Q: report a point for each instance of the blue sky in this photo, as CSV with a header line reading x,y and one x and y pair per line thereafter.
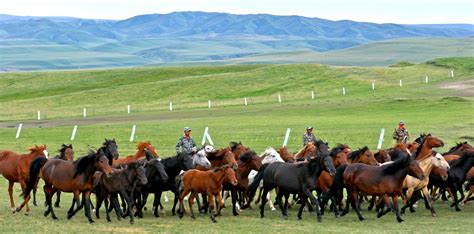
x,y
378,11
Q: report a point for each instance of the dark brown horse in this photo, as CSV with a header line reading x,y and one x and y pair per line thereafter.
x,y
222,157
339,158
458,148
385,181
75,177
141,146
305,151
65,153
382,156
208,182
16,167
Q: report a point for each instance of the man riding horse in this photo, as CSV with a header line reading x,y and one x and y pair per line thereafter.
x,y
186,144
401,133
308,136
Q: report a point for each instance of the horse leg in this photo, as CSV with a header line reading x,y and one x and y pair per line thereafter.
x,y
272,207
385,200
259,194
79,205
190,203
50,192
428,200
58,199
86,202
156,204
395,206
372,203
314,201
468,197
210,198
264,200
220,204
176,198
278,199
348,202
107,215
181,206
98,204
34,193
129,203
10,193
454,191
233,192
116,206
355,205
407,199
300,210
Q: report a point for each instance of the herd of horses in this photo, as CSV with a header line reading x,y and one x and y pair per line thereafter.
x,y
315,177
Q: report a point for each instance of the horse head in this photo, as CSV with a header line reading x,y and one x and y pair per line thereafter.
x,y
110,149
66,152
270,156
39,151
147,145
442,164
102,163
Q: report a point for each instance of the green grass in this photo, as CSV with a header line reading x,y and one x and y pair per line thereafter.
x,y
355,119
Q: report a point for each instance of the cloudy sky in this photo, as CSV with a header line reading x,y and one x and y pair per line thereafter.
x,y
379,11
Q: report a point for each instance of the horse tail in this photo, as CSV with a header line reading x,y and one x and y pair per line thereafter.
x,y
337,184
35,168
256,182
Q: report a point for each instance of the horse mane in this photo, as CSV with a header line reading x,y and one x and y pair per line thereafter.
x,y
63,150
357,153
233,145
247,156
37,149
82,164
464,157
391,168
143,144
337,149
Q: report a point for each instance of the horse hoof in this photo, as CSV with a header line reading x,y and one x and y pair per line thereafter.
x,y
361,219
131,221
320,219
235,214
55,218
400,220
56,206
91,222
273,209
458,209
434,214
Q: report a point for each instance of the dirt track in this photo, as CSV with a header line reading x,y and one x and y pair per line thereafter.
x,y
464,88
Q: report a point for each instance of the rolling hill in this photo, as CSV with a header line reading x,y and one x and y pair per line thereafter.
x,y
36,43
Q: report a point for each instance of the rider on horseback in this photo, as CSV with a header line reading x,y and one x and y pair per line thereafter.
x,y
186,144
401,133
308,136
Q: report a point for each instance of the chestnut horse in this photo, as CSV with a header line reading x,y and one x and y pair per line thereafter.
x,y
305,151
15,168
363,156
385,181
209,182
222,157
75,177
141,146
286,155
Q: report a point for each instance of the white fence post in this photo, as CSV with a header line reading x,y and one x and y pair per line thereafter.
x,y
452,73
343,91
401,84
39,115
382,133
426,79
312,95
204,136
18,131
287,135
245,101
73,135
84,112
128,109
132,135
279,98
373,86
171,106
209,104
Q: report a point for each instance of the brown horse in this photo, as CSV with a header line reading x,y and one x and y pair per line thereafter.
x,y
385,181
339,158
65,153
141,146
238,149
15,168
305,151
363,156
426,145
75,177
382,156
222,157
286,155
458,148
209,182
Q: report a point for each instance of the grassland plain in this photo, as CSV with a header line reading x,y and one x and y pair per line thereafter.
x,y
355,119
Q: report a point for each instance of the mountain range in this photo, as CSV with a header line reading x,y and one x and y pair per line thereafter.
x,y
187,37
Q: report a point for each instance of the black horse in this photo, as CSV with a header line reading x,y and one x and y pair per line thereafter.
x,y
173,166
299,178
457,176
123,182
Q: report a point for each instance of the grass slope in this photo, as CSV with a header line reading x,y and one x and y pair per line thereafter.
x,y
355,119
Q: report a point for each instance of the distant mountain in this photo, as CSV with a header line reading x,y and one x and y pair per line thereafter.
x,y
197,36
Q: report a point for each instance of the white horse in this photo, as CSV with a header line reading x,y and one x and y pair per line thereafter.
x,y
270,155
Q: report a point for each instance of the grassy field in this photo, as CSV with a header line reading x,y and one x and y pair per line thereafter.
x,y
356,119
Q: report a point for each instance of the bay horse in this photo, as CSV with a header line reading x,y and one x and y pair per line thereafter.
x,y
222,157
247,162
15,168
426,144
385,181
209,182
286,155
75,177
382,156
123,182
65,153
141,146
412,184
458,148
364,156
294,179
